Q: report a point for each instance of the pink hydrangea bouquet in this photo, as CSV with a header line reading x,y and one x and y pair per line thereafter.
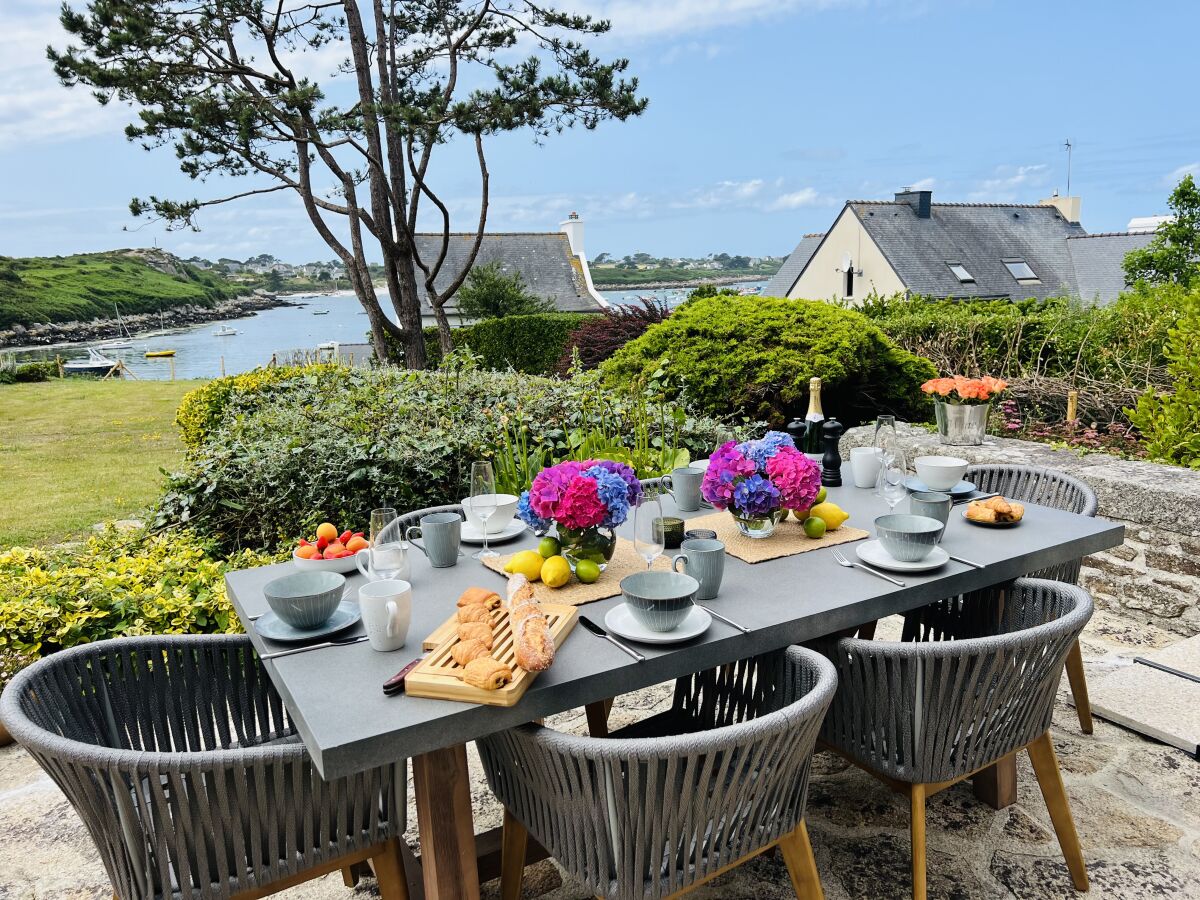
x,y
756,480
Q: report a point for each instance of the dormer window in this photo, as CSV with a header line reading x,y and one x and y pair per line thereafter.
x,y
959,271
1019,269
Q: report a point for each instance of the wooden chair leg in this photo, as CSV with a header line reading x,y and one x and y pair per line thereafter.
x,y
1045,766
801,864
1079,689
349,877
597,718
389,871
512,857
917,804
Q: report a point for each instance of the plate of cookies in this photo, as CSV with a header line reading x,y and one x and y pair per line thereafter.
x,y
994,512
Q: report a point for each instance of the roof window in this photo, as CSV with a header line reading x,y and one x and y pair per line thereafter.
x,y
1019,269
960,272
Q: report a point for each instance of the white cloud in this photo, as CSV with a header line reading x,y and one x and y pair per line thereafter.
x,y
925,184
632,19
1008,181
797,199
1179,174
720,195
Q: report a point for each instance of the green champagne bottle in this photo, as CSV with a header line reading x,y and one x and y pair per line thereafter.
x,y
813,420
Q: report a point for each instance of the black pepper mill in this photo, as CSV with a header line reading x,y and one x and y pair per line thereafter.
x,y
831,462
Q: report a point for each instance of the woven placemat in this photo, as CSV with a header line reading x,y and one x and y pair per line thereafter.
x,y
625,561
788,540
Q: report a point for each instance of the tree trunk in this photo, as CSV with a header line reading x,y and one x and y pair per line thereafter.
x,y
445,340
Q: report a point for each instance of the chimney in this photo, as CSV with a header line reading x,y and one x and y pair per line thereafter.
x,y
920,201
1068,206
573,229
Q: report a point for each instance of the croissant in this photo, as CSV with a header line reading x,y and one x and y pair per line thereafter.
x,y
476,613
474,596
533,646
487,673
466,651
476,631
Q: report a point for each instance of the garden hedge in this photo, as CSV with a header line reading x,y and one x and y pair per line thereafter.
x,y
530,344
1170,420
755,355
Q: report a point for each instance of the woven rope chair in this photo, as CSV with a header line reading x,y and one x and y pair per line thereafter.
x,y
643,814
925,715
956,616
179,757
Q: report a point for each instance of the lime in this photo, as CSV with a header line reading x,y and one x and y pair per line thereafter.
x,y
548,547
556,572
587,571
821,495
814,527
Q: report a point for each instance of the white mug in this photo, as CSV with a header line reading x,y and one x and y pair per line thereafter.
x,y
387,561
865,464
386,608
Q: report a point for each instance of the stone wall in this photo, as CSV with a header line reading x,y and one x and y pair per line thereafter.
x,y
1155,575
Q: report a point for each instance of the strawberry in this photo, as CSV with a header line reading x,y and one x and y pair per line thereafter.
x,y
345,536
356,534
304,543
322,543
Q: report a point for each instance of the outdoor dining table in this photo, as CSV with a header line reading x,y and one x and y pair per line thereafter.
x,y
334,695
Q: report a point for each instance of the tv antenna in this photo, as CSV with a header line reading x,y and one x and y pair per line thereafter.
x,y
1068,147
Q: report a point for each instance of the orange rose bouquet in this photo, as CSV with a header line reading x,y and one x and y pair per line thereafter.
x,y
965,391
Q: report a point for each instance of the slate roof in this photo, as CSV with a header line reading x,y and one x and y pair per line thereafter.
x,y
1097,260
978,236
544,260
783,280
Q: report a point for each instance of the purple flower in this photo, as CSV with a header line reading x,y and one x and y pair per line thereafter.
x,y
627,475
765,447
613,491
529,517
755,496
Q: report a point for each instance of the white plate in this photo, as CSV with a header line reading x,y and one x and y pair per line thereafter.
x,y
472,535
620,621
873,554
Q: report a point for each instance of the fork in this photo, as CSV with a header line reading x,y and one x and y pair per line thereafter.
x,y
842,561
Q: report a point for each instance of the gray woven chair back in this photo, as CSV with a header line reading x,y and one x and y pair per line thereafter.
x,y
1044,487
395,531
646,817
933,711
178,755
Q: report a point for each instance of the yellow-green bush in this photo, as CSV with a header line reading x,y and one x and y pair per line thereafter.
x,y
1170,421
203,409
114,584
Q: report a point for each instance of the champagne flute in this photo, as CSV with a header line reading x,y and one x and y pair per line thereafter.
x,y
648,538
483,501
386,553
892,473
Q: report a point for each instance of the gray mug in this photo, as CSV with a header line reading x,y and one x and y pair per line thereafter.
x,y
704,560
933,504
442,533
684,485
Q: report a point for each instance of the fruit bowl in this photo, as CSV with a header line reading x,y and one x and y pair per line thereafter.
x,y
342,566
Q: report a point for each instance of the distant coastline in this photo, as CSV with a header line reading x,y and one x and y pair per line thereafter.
x,y
688,283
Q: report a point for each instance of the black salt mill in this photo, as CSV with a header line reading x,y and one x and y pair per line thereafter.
x,y
831,462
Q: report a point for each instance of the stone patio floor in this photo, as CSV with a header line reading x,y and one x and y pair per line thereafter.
x,y
1136,805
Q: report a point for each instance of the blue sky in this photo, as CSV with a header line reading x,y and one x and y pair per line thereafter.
x,y
765,115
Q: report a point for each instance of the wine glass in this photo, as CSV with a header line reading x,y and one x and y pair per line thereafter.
x,y
892,472
483,501
386,553
648,538
885,439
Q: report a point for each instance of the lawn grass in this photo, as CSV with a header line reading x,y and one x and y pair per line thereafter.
x,y
77,452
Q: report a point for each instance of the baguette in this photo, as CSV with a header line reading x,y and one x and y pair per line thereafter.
x,y
533,645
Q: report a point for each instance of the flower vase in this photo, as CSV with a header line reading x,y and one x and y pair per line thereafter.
x,y
961,424
757,526
596,544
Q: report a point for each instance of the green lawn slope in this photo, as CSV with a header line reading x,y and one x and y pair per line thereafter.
x,y
85,286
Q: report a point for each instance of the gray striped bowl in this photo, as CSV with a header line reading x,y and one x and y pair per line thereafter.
x,y
659,600
305,599
908,538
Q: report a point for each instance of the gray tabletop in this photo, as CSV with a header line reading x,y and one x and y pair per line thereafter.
x,y
335,699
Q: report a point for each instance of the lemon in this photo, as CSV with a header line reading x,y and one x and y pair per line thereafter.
x,y
821,495
548,547
833,514
556,572
527,563
814,527
587,571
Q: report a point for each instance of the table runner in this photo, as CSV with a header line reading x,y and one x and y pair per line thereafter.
x,y
788,540
625,561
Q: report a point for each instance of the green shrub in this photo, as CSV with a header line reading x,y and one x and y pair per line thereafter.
x,y
202,410
283,459
532,344
42,370
490,293
755,355
114,584
1170,421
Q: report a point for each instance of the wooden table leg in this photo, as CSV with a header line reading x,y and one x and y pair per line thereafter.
x,y
997,784
443,794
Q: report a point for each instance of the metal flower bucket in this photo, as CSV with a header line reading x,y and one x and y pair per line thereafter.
x,y
961,424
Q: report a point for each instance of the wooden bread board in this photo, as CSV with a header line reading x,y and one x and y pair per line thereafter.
x,y
436,677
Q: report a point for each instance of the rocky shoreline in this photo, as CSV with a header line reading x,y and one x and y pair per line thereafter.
x,y
20,337
691,283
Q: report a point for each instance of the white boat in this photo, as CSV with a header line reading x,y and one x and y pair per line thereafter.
x,y
95,364
225,331
320,312
125,341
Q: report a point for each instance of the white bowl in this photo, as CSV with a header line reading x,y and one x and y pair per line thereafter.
x,y
940,473
342,566
506,508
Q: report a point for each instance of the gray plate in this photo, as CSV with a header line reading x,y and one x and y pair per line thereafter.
x,y
272,627
915,484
